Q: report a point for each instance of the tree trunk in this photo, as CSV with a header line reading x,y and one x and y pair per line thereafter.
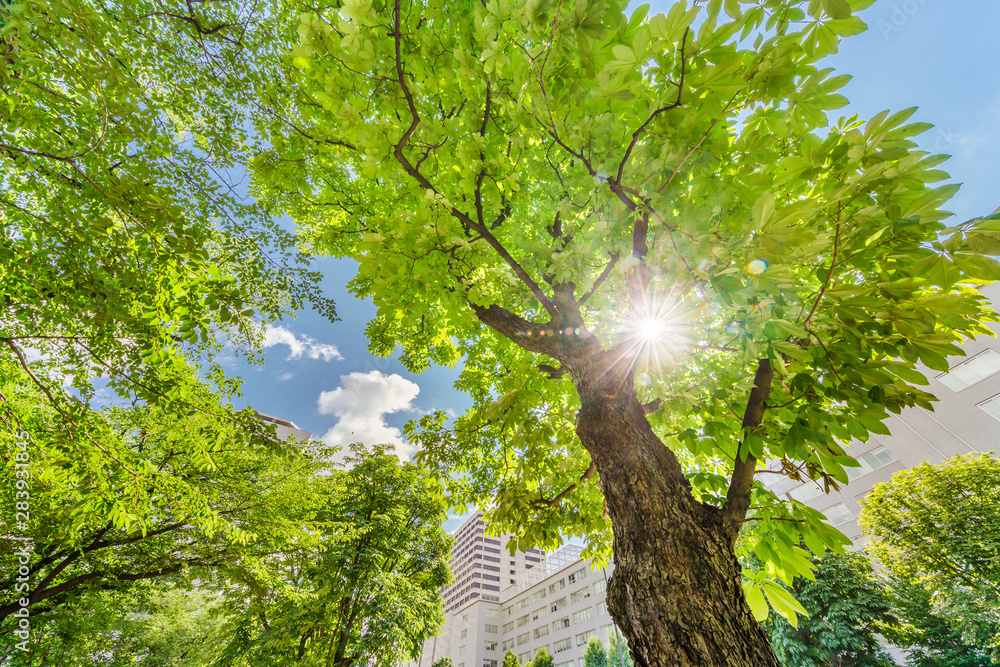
x,y
675,592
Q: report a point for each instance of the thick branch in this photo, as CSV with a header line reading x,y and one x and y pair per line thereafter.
x,y
738,495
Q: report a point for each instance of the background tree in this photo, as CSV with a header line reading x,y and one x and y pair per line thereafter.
x,y
510,660
847,606
364,589
443,662
937,526
928,638
242,498
543,659
126,255
595,655
618,653
150,624
658,258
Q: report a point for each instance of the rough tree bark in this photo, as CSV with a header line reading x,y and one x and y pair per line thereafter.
x,y
675,592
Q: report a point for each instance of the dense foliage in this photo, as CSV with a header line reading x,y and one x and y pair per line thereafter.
x,y
847,607
126,256
595,655
149,624
660,257
543,659
937,526
362,587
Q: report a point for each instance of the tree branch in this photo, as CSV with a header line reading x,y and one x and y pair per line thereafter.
x,y
738,495
541,503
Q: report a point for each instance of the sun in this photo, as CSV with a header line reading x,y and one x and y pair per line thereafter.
x,y
651,329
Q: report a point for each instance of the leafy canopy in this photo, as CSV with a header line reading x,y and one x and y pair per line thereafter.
x,y
847,606
127,258
365,586
532,181
937,526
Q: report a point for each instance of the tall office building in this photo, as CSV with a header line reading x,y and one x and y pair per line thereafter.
x,y
521,603
965,419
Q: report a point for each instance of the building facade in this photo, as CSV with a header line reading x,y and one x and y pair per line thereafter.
x,y
555,601
965,419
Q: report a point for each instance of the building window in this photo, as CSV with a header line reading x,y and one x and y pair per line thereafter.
x,y
541,632
491,612
970,372
806,492
562,645
521,604
539,613
465,631
507,645
487,662
540,595
522,621
558,604
507,627
600,586
461,651
992,406
873,460
602,608
561,624
581,594
465,618
584,637
568,663
524,658
578,575
507,611
838,514
491,629
490,645
583,615
557,586
523,639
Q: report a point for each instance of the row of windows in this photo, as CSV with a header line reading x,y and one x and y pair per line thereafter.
x,y
873,460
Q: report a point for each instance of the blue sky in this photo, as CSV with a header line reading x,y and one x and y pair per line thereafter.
x,y
940,56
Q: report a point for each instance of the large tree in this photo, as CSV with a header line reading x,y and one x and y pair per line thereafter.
x,y
660,262
937,526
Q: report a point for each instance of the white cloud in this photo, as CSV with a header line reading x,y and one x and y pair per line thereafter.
x,y
299,345
285,376
361,403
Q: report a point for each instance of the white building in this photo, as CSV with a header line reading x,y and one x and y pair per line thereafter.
x,y
965,419
285,428
518,603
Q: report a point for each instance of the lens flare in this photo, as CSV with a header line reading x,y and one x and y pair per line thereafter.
x,y
757,267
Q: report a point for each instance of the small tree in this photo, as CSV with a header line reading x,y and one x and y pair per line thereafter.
x,y
543,659
595,655
443,662
510,660
618,655
846,606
